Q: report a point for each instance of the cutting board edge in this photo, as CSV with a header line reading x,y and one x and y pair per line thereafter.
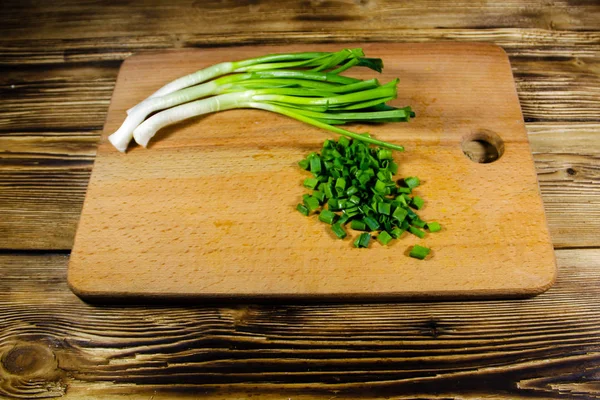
x,y
91,295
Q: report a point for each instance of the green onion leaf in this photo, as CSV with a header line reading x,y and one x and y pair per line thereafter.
x,y
419,252
362,240
384,238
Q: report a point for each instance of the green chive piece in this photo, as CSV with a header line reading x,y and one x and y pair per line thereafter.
x,y
340,186
354,199
303,209
418,222
399,213
339,230
351,190
412,182
384,208
406,190
417,202
371,223
304,164
384,238
315,165
311,183
396,232
358,225
333,205
416,231
327,216
344,141
434,226
319,195
419,252
312,203
362,240
343,219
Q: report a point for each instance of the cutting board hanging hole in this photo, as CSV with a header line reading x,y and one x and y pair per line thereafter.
x,y
483,146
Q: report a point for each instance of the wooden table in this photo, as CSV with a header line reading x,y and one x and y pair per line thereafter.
x,y
60,61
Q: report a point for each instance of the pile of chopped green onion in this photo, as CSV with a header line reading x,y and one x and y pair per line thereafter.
x,y
304,86
353,185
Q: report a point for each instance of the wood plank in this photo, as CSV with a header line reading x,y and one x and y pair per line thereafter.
x,y
74,97
43,179
51,343
566,158
83,20
518,42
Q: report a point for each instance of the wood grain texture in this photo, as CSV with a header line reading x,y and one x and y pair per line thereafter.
x,y
518,42
81,19
43,179
53,344
67,98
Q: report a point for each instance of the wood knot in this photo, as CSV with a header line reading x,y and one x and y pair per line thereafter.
x,y
30,360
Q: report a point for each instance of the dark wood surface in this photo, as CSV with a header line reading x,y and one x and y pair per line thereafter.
x,y
59,62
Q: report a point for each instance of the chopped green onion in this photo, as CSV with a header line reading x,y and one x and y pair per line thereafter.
x,y
339,230
419,252
418,222
399,213
362,240
417,232
384,208
304,164
311,183
355,183
312,203
319,195
412,182
358,225
303,209
434,226
384,238
327,216
371,223
315,165
340,186
396,232
417,202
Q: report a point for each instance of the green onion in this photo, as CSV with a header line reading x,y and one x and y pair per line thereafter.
x,y
339,230
371,223
362,240
384,238
416,231
304,86
312,203
355,184
327,216
358,225
417,202
396,232
434,226
340,186
412,182
311,183
419,252
303,209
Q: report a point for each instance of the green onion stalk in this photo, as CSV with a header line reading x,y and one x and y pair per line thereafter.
x,y
304,86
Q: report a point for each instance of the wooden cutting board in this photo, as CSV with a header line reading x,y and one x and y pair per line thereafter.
x,y
208,210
